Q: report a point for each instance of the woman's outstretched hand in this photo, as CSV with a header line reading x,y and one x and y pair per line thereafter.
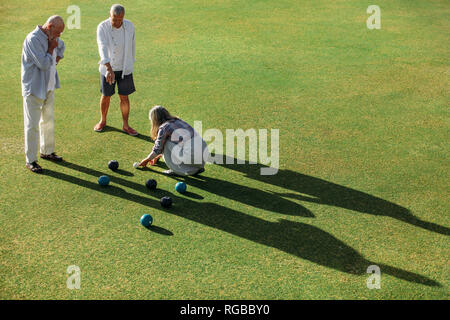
x,y
144,162
152,162
155,160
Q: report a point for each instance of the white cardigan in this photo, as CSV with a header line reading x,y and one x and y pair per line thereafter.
x,y
104,41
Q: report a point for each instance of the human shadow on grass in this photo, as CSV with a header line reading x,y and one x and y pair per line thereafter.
x,y
192,195
113,179
315,190
254,197
129,184
299,239
112,191
139,136
124,172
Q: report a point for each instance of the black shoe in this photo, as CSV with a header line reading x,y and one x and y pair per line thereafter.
x,y
51,157
34,167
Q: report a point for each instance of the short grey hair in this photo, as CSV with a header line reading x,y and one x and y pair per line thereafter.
x,y
55,20
117,10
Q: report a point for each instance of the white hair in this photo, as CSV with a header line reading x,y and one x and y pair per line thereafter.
x,y
117,10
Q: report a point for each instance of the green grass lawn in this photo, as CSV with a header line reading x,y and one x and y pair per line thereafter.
x,y
363,179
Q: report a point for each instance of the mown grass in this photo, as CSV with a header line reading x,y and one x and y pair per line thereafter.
x,y
363,120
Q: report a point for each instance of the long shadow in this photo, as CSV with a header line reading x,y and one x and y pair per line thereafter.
x,y
299,239
109,190
139,136
124,172
250,196
113,191
129,184
315,190
126,183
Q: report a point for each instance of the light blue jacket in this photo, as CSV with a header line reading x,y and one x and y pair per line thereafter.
x,y
36,63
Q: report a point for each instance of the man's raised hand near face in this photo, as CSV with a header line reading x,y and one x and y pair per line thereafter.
x,y
52,44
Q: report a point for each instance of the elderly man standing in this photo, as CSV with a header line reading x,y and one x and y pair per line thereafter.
x,y
116,45
42,50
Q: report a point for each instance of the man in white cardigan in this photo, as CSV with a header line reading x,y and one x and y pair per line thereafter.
x,y
116,45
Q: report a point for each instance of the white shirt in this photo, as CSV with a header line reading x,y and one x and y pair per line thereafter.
x,y
118,47
52,76
106,46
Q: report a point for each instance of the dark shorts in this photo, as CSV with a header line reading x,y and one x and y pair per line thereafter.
x,y
125,85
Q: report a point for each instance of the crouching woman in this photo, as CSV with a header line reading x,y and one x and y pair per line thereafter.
x,y
184,150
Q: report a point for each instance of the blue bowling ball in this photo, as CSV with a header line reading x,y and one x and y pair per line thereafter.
x,y
103,180
146,220
180,187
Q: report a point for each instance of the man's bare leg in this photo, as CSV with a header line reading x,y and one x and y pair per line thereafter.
x,y
125,108
104,106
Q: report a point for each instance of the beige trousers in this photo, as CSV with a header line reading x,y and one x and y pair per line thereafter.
x,y
186,161
39,121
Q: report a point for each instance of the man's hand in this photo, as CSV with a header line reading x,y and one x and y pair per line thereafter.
x,y
110,77
57,59
52,44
